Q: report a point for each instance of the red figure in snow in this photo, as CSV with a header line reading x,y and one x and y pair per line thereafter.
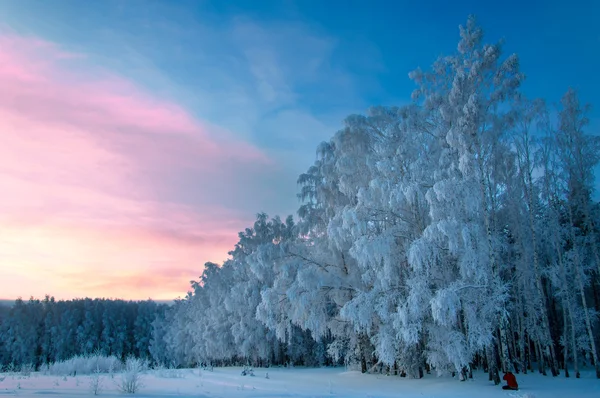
x,y
511,382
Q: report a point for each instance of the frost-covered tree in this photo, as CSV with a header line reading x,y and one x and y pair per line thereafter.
x,y
327,276
459,252
578,154
525,204
440,235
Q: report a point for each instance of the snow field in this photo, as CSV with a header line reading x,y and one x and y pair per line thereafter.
x,y
298,382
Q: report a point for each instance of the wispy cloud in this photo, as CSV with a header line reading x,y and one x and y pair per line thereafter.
x,y
241,73
276,84
283,58
91,172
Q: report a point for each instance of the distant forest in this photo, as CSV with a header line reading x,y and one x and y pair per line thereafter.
x,y
37,332
456,232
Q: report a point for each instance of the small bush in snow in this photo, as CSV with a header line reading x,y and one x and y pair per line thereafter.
x,y
169,373
96,383
45,368
86,365
10,368
248,371
131,380
26,370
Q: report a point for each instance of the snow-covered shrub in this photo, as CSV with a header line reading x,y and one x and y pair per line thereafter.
x,y
96,382
168,373
86,365
26,369
131,380
45,368
248,371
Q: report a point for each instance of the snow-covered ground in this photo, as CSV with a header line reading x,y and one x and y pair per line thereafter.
x,y
228,382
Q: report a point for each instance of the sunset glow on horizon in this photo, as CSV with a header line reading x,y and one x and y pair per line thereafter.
x,y
85,165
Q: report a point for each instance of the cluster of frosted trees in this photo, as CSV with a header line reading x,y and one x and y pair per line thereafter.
x,y
38,332
455,232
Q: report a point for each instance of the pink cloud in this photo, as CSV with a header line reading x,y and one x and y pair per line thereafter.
x,y
87,168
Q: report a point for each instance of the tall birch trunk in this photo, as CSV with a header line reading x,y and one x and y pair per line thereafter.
x,y
527,180
588,322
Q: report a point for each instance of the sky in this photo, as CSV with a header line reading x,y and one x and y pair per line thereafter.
x,y
138,137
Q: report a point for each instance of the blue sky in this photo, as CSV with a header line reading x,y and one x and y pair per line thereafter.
x,y
261,82
284,73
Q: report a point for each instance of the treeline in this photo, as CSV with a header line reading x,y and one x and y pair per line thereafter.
x,y
455,232
38,332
